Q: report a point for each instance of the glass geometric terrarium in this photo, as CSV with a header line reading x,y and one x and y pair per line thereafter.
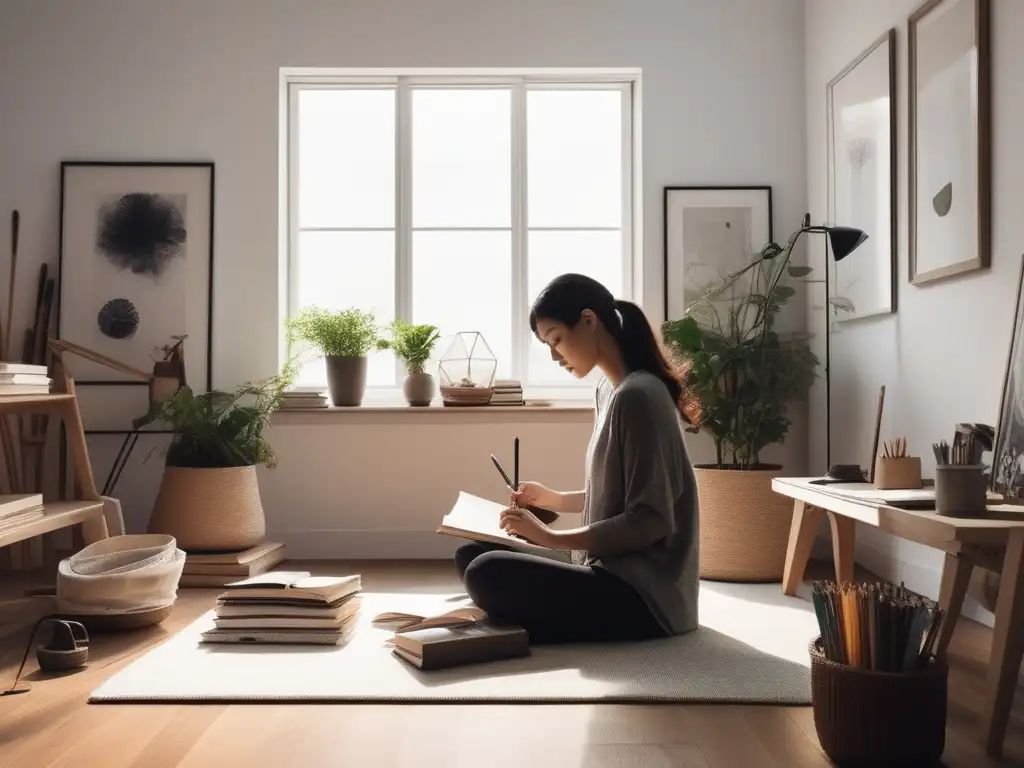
x,y
466,370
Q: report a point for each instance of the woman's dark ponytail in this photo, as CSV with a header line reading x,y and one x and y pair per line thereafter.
x,y
567,296
642,352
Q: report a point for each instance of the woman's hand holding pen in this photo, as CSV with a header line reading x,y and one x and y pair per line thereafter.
x,y
522,522
531,494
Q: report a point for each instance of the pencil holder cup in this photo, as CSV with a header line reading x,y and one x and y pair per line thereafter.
x,y
868,718
960,490
893,473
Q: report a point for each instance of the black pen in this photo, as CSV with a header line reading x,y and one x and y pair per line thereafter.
x,y
516,466
504,474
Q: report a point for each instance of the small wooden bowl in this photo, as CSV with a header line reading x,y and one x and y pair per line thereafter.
x,y
466,396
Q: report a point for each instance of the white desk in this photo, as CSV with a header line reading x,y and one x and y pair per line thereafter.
x,y
994,542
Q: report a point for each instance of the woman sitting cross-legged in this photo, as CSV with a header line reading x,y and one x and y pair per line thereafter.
x,y
633,570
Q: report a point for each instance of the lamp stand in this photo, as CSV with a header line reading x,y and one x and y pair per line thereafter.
x,y
828,368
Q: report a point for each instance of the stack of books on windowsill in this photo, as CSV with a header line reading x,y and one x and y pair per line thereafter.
x,y
217,569
300,400
23,379
507,392
287,607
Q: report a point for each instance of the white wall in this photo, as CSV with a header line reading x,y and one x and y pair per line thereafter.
x,y
120,79
942,356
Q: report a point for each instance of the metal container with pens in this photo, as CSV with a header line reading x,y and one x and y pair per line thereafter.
x,y
961,485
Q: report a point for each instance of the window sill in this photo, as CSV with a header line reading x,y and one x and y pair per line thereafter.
x,y
401,413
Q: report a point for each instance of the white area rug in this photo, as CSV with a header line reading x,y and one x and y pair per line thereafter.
x,y
752,647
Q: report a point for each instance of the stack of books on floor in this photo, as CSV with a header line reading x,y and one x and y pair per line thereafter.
x,y
218,569
300,400
287,607
24,379
16,509
507,392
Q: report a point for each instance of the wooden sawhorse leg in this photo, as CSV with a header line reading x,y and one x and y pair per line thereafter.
x,y
1007,646
844,540
956,577
801,540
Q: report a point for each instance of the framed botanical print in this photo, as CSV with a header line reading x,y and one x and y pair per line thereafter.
x,y
861,138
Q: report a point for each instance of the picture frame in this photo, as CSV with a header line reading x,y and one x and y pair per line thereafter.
x,y
861,168
1007,475
701,222
135,272
949,133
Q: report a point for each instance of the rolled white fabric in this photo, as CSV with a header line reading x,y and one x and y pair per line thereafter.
x,y
121,574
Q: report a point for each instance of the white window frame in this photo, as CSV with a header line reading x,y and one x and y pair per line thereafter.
x,y
628,81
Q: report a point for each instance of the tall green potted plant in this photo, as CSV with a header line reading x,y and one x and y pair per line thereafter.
x,y
209,497
413,345
345,338
746,374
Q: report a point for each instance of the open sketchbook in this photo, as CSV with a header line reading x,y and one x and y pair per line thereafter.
x,y
479,520
411,622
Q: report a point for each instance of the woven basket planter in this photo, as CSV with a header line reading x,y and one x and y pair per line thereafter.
x,y
866,718
210,510
744,524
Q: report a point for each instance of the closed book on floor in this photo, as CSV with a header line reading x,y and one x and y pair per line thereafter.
x,y
265,616
279,636
229,571
232,558
442,647
336,610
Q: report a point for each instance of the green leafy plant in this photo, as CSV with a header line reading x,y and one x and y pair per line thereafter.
x,y
345,333
218,428
412,344
743,369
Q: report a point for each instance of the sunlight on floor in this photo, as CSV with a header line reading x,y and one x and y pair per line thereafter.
x,y
761,616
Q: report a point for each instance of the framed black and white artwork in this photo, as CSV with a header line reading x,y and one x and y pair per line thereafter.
x,y
1008,447
949,131
136,267
861,141
710,232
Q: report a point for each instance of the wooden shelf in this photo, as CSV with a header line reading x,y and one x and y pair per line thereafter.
x,y
34,402
85,511
56,515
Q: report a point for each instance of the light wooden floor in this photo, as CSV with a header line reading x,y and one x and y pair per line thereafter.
x,y
53,726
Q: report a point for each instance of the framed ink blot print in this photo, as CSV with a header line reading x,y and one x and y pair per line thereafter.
x,y
949,80
136,266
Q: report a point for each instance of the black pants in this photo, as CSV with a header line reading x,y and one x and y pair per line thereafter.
x,y
555,602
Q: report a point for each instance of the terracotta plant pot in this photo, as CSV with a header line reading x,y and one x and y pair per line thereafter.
x,y
744,524
419,388
209,510
346,380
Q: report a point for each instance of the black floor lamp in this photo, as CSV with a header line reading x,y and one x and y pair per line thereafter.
x,y
844,240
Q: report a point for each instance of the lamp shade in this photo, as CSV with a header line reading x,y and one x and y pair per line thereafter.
x,y
844,240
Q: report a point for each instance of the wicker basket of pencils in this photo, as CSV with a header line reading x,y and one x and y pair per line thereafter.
x,y
878,693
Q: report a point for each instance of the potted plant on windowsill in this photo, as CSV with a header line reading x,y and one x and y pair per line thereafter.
x,y
345,338
746,373
413,345
209,497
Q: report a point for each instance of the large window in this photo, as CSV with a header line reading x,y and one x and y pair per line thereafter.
x,y
452,201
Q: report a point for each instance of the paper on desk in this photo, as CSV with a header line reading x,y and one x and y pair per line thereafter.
x,y
868,492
